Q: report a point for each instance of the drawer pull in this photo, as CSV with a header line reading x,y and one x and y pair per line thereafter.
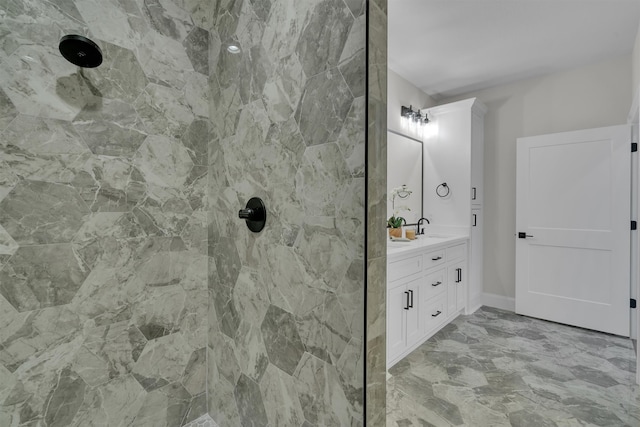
x,y
436,258
438,313
436,284
407,307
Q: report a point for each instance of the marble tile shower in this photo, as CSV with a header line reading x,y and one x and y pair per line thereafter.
x,y
103,243
286,314
130,292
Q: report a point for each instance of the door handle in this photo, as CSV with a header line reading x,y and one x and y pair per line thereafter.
x,y
411,294
522,235
475,219
436,284
406,307
474,193
459,275
438,313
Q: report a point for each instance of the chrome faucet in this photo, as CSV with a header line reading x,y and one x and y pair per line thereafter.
x,y
418,225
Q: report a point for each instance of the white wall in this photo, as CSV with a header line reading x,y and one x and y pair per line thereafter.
x,y
400,92
587,97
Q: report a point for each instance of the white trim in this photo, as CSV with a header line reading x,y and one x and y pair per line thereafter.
x,y
499,301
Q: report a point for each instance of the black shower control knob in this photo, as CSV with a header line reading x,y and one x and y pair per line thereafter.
x,y
247,213
255,213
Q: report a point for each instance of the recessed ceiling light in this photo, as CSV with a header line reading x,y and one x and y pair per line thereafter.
x,y
233,48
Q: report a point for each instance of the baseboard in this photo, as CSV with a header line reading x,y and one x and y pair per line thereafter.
x,y
499,301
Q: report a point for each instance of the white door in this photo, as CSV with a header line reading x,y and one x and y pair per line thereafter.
x,y
573,206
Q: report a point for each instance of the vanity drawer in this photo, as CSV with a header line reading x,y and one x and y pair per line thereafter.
x,y
434,284
455,252
435,313
433,259
403,268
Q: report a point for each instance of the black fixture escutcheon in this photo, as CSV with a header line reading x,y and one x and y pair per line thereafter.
x,y
255,214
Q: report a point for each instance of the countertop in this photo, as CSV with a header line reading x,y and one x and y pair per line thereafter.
x,y
397,250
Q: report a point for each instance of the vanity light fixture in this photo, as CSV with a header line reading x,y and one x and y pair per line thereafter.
x,y
410,115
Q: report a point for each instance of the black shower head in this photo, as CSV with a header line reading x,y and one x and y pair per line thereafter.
x,y
80,51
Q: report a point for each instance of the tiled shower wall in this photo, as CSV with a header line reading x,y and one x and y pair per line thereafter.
x,y
286,314
376,215
103,244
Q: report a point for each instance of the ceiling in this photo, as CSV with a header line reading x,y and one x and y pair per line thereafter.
x,y
451,47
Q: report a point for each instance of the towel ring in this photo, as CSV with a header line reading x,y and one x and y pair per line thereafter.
x,y
444,192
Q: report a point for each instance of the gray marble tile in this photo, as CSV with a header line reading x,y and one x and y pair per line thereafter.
x,y
164,111
110,184
280,398
108,352
322,180
351,136
162,361
38,136
353,59
120,398
8,111
195,374
250,403
320,244
323,107
112,128
324,35
125,26
520,386
42,276
164,60
40,82
119,76
197,48
167,407
322,404
222,403
282,340
167,18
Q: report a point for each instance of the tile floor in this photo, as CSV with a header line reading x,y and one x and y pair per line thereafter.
x,y
496,368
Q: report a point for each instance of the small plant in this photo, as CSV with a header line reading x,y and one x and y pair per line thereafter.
x,y
402,192
396,221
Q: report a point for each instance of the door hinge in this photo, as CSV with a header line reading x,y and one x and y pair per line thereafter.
x,y
634,147
634,225
633,303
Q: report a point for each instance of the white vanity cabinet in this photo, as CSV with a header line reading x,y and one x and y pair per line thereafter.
x,y
426,289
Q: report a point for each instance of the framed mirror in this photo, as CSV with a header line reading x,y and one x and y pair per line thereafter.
x,y
404,166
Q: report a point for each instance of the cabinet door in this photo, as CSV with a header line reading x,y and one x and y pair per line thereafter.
x,y
396,321
414,329
452,288
461,285
477,159
474,278
456,289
